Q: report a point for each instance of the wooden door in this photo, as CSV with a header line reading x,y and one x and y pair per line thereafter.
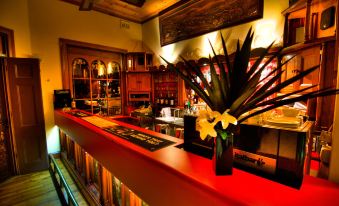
x,y
133,82
27,116
145,82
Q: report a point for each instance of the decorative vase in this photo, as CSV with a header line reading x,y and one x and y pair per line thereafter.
x,y
223,155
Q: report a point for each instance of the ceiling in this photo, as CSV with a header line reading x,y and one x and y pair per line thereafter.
x,y
138,11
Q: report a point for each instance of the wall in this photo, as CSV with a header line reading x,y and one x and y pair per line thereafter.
x,y
14,15
268,29
38,25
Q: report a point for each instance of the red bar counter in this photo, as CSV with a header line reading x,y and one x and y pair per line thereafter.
x,y
172,176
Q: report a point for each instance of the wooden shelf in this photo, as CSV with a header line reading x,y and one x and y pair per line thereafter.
x,y
137,71
306,45
81,78
295,7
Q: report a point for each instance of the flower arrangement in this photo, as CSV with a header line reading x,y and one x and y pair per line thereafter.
x,y
237,89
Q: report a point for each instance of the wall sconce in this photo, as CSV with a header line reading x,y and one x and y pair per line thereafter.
x,y
129,62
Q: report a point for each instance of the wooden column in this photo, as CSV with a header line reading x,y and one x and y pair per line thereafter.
x,y
285,35
325,108
307,20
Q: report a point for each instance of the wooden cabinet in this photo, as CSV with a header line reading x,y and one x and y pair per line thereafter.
x,y
302,61
166,86
138,79
319,109
93,74
309,20
139,61
309,33
139,82
97,87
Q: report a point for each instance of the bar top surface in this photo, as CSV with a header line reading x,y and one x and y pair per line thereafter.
x,y
172,176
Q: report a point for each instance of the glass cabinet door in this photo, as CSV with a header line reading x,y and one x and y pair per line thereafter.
x,y
113,105
81,83
96,88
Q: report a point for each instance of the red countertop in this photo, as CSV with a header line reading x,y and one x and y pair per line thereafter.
x,y
172,176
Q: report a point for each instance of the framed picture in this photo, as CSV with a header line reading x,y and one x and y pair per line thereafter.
x,y
197,17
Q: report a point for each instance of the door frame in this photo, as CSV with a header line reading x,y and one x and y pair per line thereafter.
x,y
9,41
9,33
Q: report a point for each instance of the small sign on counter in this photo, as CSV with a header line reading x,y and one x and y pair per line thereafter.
x,y
146,141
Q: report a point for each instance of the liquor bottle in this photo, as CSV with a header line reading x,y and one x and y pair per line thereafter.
x,y
166,100
157,100
172,100
187,107
73,104
161,100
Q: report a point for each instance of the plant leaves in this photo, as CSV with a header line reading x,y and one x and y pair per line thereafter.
x,y
271,101
193,85
224,80
228,64
251,104
216,86
197,70
292,100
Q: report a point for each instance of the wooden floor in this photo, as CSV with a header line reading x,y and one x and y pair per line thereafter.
x,y
36,189
31,189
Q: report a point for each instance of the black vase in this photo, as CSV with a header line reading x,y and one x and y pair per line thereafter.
x,y
223,155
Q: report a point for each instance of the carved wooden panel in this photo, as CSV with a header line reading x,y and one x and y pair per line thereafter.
x,y
199,17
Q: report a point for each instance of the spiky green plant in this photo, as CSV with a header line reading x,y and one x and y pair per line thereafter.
x,y
240,89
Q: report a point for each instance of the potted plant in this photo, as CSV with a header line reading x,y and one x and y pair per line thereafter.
x,y
238,90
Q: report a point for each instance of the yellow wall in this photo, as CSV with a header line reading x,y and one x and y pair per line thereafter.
x,y
268,29
38,25
14,15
